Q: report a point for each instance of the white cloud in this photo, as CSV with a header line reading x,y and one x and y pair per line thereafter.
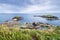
x,y
39,8
43,7
6,8
40,1
34,8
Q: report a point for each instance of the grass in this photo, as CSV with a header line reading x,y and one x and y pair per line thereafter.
x,y
16,33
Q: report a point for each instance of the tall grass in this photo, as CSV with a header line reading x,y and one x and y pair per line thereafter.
x,y
16,33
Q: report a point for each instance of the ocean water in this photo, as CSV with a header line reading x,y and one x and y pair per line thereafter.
x,y
30,18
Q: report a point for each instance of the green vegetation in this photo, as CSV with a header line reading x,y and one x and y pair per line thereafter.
x,y
16,33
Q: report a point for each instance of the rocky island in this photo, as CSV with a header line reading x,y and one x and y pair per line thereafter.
x,y
48,17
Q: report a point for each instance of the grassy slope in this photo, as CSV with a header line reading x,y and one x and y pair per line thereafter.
x,y
28,34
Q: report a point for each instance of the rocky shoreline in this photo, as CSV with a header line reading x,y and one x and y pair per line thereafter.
x,y
25,25
36,25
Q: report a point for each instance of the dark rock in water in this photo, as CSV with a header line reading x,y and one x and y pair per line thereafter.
x,y
17,18
34,24
48,17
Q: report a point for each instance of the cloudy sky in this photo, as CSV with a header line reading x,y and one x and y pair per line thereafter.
x,y
29,6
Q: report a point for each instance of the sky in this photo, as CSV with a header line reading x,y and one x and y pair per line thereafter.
x,y
29,6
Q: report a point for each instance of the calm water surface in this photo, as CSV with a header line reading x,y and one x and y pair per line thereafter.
x,y
30,18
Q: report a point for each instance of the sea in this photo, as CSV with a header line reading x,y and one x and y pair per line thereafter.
x,y
27,17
